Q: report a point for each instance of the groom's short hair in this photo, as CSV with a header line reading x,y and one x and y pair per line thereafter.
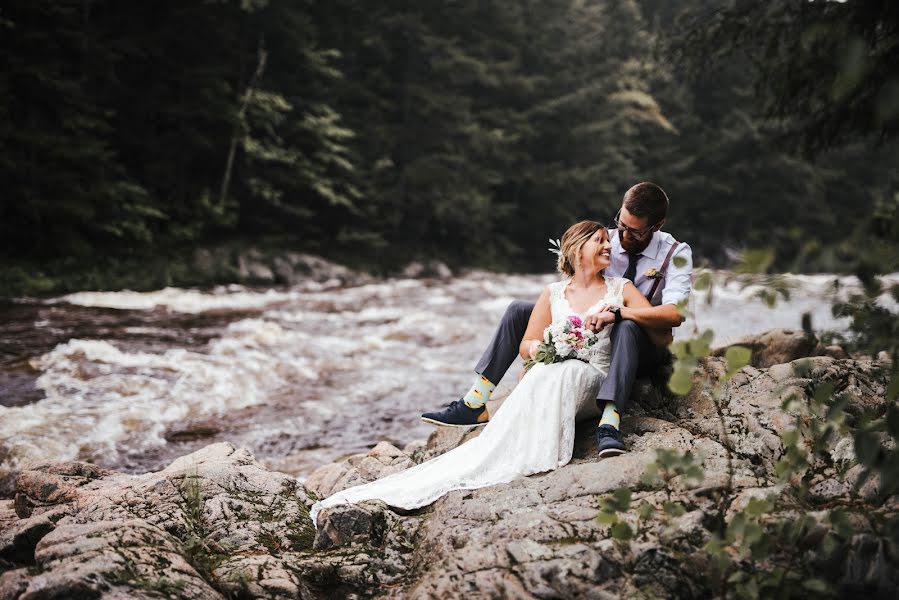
x,y
647,200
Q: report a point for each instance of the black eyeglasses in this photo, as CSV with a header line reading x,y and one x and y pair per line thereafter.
x,y
637,233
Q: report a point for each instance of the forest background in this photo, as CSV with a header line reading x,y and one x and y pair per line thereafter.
x,y
377,133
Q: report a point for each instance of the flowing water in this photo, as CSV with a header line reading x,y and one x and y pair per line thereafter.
x,y
299,375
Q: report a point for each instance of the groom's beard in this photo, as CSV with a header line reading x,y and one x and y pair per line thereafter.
x,y
633,246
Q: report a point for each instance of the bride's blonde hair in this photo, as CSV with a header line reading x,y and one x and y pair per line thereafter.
x,y
572,242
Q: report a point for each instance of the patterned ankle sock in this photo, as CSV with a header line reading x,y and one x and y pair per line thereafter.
x,y
479,393
610,415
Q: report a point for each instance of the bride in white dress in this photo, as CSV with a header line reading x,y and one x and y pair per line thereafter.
x,y
533,431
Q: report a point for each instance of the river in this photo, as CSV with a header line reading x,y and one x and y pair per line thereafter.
x,y
300,375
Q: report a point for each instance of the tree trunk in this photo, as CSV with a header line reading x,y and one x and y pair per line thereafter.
x,y
261,56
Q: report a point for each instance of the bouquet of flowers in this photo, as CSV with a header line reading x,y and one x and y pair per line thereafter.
x,y
563,341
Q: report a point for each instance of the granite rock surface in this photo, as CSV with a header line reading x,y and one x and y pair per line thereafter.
x,y
216,524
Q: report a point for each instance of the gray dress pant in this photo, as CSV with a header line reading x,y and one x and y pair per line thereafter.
x,y
632,353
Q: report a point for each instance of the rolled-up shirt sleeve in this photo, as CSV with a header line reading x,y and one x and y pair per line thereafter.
x,y
678,279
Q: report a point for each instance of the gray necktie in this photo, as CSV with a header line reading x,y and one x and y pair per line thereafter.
x,y
631,272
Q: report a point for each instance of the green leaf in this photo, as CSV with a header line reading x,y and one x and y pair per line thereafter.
x,y
736,527
824,392
674,509
752,533
666,458
816,585
839,520
715,546
621,499
763,547
679,261
830,545
777,575
607,518
790,437
737,577
893,388
757,507
703,345
703,282
694,473
750,589
645,510
737,357
836,411
755,260
893,421
680,350
867,448
802,368
792,402
650,475
854,67
681,381
621,531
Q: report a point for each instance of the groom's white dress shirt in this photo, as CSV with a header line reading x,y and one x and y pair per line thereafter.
x,y
675,286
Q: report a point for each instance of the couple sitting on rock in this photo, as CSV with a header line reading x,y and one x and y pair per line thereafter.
x,y
625,286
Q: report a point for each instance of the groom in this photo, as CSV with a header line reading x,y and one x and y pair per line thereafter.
x,y
658,265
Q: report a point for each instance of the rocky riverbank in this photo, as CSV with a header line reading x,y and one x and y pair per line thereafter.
x,y
216,524
232,263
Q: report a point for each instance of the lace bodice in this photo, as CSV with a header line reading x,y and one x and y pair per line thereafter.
x,y
561,309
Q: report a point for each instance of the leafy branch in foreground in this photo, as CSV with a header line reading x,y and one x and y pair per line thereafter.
x,y
791,541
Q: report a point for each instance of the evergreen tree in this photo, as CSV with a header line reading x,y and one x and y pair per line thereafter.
x,y
65,189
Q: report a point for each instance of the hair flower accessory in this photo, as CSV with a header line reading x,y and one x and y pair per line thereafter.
x,y
654,273
558,247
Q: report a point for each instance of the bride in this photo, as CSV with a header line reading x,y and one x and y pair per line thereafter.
x,y
534,429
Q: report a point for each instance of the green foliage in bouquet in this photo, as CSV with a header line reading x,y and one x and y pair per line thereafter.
x,y
546,353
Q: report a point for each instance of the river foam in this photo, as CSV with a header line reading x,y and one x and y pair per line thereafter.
x,y
232,297
310,373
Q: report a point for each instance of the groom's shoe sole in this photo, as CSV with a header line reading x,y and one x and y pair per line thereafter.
x,y
608,441
610,452
442,424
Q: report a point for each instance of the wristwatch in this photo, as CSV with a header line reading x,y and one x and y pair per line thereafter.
x,y
617,312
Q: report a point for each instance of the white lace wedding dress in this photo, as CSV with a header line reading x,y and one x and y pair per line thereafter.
x,y
533,431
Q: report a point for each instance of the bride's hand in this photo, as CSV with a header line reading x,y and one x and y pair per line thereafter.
x,y
599,320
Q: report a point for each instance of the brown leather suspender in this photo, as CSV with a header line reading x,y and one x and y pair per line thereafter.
x,y
662,272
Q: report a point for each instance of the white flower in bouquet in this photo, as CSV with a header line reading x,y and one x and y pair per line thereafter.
x,y
563,348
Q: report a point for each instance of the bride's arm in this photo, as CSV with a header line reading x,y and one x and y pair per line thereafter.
x,y
540,319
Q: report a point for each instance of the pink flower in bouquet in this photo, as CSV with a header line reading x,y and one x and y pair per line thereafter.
x,y
575,321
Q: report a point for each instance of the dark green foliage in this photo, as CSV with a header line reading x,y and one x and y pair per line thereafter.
x,y
465,131
754,100
827,70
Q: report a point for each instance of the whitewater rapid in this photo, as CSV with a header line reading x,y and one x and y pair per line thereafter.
x,y
299,375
